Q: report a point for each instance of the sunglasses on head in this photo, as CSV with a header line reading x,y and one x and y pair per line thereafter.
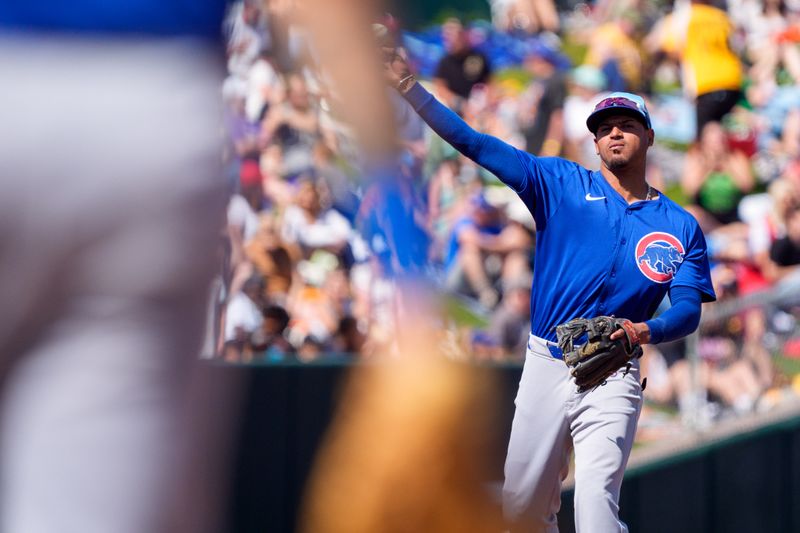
x,y
617,101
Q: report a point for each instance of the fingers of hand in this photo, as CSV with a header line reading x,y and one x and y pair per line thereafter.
x,y
396,59
389,74
388,54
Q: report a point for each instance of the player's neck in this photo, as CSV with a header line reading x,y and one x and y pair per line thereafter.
x,y
628,182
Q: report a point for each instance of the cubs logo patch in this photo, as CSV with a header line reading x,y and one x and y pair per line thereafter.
x,y
658,256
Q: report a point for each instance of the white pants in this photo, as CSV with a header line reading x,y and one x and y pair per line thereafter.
x,y
109,215
551,419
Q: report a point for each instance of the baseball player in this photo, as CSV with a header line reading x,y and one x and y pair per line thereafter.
x,y
607,244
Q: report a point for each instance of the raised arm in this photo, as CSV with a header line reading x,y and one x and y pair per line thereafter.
x,y
500,158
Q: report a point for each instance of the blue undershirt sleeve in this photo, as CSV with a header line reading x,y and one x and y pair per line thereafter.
x,y
498,157
679,320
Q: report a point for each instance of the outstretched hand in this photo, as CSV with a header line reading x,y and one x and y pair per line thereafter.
x,y
395,66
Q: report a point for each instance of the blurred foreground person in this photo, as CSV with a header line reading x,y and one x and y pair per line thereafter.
x,y
110,209
405,452
408,450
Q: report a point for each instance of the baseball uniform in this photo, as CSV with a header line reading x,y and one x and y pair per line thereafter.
x,y
596,255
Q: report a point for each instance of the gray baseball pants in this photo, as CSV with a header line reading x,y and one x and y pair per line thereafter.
x,y
551,420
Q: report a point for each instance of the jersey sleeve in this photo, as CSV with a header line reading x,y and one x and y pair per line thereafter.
x,y
538,181
680,319
694,272
498,157
544,188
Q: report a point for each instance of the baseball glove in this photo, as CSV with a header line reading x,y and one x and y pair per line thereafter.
x,y
591,354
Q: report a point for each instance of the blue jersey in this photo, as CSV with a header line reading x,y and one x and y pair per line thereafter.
x,y
201,18
598,255
595,253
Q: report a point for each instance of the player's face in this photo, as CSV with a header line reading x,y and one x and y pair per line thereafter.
x,y
621,140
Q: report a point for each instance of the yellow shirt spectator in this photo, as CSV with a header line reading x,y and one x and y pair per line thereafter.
x,y
700,36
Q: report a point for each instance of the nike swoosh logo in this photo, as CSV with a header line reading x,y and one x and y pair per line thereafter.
x,y
591,198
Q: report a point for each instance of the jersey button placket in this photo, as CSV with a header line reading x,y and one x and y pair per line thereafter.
x,y
618,260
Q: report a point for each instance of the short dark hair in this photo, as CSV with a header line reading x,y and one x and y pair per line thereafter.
x,y
278,314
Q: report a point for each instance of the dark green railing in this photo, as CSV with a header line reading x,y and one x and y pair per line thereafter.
x,y
745,482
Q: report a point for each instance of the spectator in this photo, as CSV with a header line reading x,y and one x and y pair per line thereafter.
x,y
271,259
730,370
668,374
482,250
243,211
310,226
586,84
545,134
777,120
785,251
314,310
374,304
765,25
462,66
349,339
262,86
311,349
699,35
716,178
338,186
528,16
294,126
243,315
279,192
768,224
268,341
243,133
510,325
446,195
244,39
614,51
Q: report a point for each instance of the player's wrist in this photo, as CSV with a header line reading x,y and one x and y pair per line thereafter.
x,y
643,329
406,83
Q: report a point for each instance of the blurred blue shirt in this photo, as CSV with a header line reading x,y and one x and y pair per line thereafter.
x,y
200,18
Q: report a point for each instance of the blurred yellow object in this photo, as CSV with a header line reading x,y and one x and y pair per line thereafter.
x,y
771,398
408,449
700,34
511,86
796,384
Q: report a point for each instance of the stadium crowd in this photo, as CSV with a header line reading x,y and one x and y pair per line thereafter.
x,y
306,263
